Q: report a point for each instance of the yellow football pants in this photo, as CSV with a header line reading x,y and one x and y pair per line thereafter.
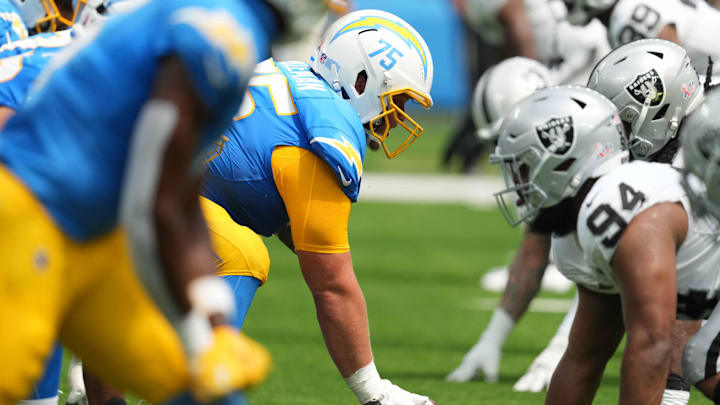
x,y
240,251
85,294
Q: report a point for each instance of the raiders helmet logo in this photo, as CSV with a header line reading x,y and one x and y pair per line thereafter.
x,y
557,134
647,85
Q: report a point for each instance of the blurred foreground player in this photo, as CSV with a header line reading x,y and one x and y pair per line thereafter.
x,y
89,185
292,166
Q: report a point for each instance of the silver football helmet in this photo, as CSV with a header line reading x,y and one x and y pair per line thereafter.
x,y
701,153
500,87
654,86
552,142
580,12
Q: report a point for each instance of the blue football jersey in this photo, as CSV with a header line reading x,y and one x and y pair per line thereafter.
x,y
69,142
287,105
12,26
22,61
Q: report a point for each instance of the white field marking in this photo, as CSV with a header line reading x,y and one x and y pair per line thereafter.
x,y
475,191
546,305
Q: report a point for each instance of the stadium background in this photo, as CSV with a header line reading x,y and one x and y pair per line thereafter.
x,y
422,237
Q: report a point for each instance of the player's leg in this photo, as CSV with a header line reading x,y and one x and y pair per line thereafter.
x,y
31,280
243,260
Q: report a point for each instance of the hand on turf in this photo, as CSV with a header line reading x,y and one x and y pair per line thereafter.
x,y
233,362
538,376
483,357
391,394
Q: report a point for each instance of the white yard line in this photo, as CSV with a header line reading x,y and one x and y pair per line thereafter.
x,y
473,190
547,305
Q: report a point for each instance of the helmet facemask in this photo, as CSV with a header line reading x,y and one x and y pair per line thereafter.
x,y
522,200
380,125
50,15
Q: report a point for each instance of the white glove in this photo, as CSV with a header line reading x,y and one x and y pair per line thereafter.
x,y
391,394
541,370
75,381
369,389
485,355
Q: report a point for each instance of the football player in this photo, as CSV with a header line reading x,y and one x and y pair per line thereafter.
x,y
690,23
292,166
89,185
531,28
648,258
680,91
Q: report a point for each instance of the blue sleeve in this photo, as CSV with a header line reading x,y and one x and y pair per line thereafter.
x,y
218,46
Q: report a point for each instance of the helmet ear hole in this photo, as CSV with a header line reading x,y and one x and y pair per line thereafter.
x,y
361,82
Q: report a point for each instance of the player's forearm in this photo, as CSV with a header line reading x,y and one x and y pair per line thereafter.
x,y
525,274
184,247
518,32
343,320
645,367
340,308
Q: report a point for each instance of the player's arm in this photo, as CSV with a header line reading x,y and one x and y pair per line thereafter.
x,y
518,30
644,265
525,274
594,336
319,212
669,33
167,231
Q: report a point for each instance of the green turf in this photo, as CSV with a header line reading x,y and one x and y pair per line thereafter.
x,y
424,156
418,266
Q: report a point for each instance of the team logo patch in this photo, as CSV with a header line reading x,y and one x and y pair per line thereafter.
x,y
647,85
557,134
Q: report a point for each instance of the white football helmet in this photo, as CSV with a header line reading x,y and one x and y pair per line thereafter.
x,y
500,87
701,152
49,15
551,143
654,86
390,58
580,12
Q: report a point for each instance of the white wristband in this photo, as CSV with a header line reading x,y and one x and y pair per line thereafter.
x,y
211,295
195,332
365,383
500,326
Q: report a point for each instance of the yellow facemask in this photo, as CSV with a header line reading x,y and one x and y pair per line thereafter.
x,y
54,19
391,109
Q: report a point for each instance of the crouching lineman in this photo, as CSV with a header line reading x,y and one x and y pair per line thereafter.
x,y
67,260
295,156
618,232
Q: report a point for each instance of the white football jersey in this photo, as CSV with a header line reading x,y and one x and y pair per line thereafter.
x,y
696,22
610,206
569,51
